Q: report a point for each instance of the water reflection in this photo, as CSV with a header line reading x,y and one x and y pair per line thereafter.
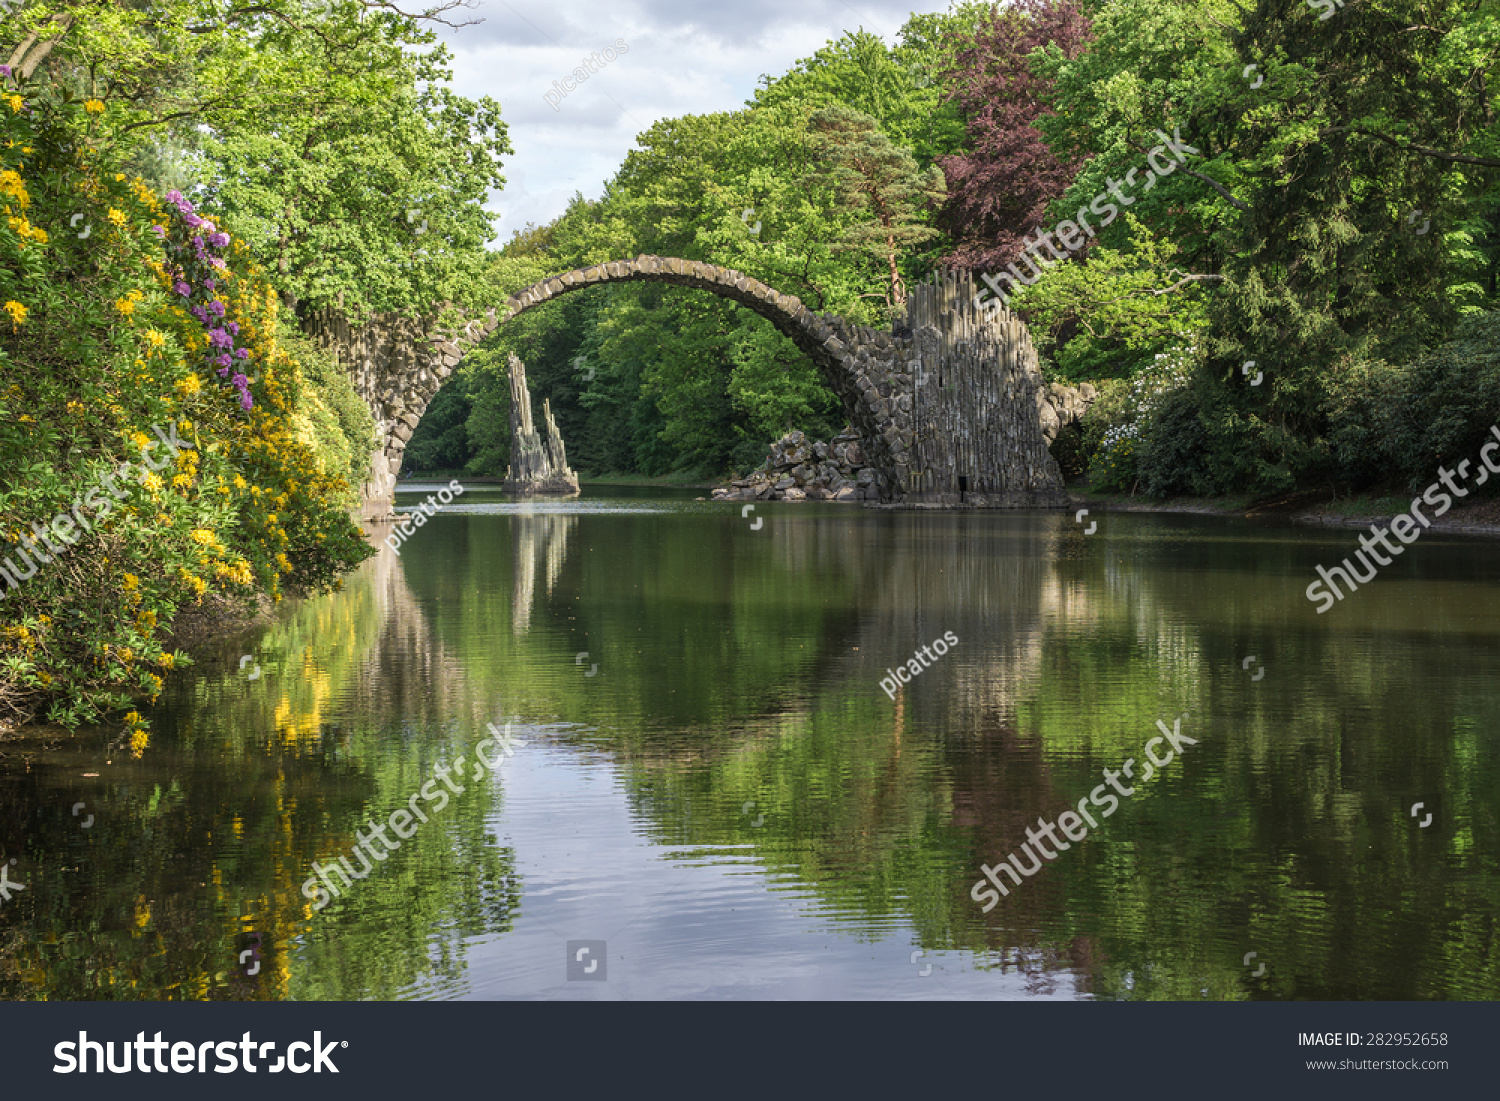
x,y
541,545
733,803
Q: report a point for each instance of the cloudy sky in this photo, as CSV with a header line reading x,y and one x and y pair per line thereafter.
x,y
682,58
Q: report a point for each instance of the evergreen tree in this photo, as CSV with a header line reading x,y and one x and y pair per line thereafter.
x,y
879,187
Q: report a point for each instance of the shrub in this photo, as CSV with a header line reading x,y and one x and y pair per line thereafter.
x,y
1117,427
1171,461
100,354
1395,425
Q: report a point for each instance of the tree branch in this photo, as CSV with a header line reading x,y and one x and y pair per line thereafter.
x,y
1413,147
62,22
1238,204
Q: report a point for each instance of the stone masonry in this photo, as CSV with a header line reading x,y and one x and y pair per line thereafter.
x,y
946,405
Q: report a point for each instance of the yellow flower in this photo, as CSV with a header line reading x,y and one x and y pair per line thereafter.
x,y
93,106
189,386
151,482
202,536
16,103
115,217
12,186
125,306
17,312
140,439
130,582
155,339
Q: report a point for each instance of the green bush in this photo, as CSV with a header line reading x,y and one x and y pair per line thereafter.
x,y
329,415
1117,430
1395,425
1171,459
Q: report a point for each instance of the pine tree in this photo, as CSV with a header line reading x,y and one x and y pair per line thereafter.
x,y
878,187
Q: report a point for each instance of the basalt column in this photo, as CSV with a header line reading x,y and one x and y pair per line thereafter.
x,y
535,467
974,397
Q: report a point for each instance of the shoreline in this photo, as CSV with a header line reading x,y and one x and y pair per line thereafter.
x,y
1480,518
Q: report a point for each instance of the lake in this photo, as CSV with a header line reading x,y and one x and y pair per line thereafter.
x,y
716,786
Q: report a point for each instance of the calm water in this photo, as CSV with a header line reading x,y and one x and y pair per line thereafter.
x,y
714,784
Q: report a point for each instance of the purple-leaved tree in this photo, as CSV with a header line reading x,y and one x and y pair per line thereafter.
x,y
998,191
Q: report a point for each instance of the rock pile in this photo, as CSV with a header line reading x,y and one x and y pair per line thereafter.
x,y
1060,406
799,469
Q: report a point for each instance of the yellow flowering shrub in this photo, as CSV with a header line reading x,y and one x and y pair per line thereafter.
x,y
236,504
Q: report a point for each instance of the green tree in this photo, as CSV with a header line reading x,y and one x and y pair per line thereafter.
x,y
878,187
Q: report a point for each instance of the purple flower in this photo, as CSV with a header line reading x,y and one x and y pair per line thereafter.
x,y
223,360
174,196
200,313
218,262
182,288
223,372
233,326
242,353
160,230
246,403
220,339
217,307
190,218
241,382
209,284
219,240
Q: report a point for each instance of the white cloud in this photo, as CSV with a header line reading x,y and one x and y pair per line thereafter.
x,y
682,58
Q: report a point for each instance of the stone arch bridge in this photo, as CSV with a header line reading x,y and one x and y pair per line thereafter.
x,y
948,404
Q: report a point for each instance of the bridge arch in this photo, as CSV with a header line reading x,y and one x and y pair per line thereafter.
x,y
822,337
946,407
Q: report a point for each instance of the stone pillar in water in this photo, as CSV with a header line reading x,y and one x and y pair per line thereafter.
x,y
535,467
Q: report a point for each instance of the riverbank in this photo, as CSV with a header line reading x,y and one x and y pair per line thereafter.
x,y
1480,518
